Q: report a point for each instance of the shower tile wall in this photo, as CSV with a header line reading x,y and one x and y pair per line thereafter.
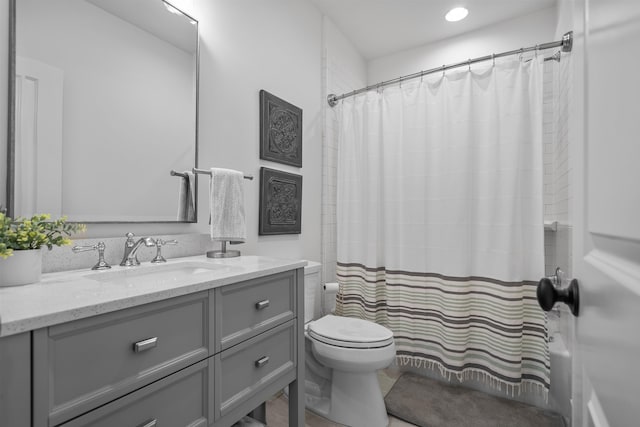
x,y
343,71
558,199
557,194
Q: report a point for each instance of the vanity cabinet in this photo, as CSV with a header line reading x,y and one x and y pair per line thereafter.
x,y
80,365
206,358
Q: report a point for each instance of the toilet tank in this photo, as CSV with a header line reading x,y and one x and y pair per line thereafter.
x,y
312,291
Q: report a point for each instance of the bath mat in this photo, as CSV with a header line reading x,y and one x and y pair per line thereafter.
x,y
429,403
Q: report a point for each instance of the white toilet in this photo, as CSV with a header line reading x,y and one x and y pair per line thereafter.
x,y
342,356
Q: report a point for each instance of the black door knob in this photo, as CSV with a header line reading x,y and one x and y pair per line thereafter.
x,y
548,295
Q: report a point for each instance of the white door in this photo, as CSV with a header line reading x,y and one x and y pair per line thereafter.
x,y
38,150
606,251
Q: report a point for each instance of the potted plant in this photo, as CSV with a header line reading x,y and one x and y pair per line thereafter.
x,y
21,240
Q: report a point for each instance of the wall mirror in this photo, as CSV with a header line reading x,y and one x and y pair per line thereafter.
x,y
103,106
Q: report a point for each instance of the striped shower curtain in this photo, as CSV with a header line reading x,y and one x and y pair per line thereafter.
x,y
440,221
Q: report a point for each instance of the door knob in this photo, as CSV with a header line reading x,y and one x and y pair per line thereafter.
x,y
548,295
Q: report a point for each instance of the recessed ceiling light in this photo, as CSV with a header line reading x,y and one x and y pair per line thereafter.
x,y
456,14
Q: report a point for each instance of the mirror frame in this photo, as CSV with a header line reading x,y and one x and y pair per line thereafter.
x,y
11,131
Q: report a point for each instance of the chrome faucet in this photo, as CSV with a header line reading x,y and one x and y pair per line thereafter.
x,y
130,259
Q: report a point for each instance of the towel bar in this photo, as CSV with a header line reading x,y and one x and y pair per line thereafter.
x,y
174,173
208,172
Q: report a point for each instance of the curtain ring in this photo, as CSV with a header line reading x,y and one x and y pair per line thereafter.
x,y
400,82
421,76
521,52
536,51
469,63
443,67
493,58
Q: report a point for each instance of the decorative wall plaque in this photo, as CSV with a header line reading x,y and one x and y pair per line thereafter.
x,y
280,130
280,202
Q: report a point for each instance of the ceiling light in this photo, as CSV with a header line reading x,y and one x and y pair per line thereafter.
x,y
456,14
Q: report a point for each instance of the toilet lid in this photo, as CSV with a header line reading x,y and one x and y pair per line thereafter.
x,y
350,332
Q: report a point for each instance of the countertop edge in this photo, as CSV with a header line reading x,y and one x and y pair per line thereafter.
x,y
17,324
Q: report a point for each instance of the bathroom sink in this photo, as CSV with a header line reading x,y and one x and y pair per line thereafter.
x,y
174,272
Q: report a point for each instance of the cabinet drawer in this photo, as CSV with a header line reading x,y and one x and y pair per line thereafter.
x,y
83,364
179,400
253,365
246,309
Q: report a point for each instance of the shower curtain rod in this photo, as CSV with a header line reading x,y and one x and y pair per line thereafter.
x,y
566,44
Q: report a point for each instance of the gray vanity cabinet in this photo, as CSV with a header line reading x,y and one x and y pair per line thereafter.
x,y
201,359
15,380
83,364
256,328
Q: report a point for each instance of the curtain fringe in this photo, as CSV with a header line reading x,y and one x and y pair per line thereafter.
x,y
476,374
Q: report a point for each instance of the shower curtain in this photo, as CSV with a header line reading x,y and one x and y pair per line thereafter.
x,y
440,221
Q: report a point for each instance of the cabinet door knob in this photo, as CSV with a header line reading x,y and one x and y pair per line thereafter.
x,y
262,361
144,345
150,423
262,304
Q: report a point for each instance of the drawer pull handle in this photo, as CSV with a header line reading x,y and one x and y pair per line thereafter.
x,y
143,345
262,361
150,423
262,304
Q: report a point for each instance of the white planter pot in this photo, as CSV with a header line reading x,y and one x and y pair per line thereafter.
x,y
22,268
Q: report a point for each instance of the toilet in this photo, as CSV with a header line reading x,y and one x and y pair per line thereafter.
x,y
342,357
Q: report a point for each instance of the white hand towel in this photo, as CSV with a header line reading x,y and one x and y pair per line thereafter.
x,y
226,205
186,197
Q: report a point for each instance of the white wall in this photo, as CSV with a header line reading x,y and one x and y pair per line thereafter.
x,y
248,45
344,70
528,30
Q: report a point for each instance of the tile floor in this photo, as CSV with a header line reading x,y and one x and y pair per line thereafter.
x,y
278,406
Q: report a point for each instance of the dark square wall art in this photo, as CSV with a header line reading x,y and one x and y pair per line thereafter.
x,y
280,130
280,202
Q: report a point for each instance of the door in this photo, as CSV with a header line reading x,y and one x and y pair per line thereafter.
x,y
38,149
606,251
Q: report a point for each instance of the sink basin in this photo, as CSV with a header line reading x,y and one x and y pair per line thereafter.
x,y
173,272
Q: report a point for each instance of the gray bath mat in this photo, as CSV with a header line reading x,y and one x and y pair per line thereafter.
x,y
430,403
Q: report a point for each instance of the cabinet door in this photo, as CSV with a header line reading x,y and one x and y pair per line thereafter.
x,y
83,364
15,380
179,400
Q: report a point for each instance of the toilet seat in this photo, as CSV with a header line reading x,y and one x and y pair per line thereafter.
x,y
349,332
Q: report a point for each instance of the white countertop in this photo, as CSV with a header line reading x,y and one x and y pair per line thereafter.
x,y
70,295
